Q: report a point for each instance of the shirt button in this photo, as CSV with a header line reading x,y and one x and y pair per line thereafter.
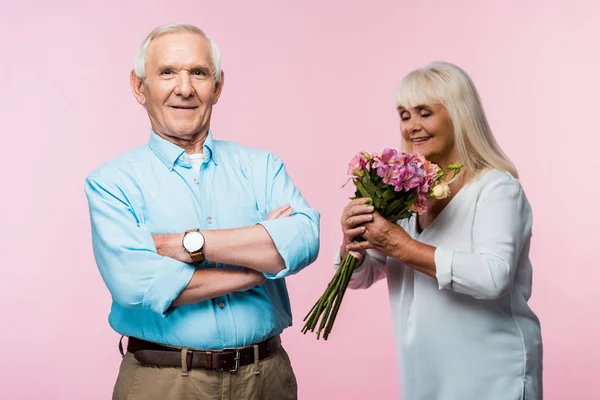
x,y
196,181
221,305
212,264
209,220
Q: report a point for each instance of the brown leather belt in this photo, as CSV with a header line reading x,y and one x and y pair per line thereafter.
x,y
226,360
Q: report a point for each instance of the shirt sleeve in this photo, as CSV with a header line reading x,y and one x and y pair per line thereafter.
x,y
136,276
296,237
501,228
371,269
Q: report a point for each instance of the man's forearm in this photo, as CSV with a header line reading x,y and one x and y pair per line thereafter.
x,y
210,283
249,247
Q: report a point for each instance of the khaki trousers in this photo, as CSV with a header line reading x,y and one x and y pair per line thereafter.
x,y
270,379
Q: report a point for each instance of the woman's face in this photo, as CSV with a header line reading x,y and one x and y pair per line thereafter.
x,y
427,130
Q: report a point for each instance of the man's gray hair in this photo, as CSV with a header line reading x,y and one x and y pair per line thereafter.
x,y
140,58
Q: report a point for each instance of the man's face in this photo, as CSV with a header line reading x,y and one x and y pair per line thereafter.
x,y
179,89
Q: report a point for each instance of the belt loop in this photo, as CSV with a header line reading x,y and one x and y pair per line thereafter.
x,y
184,362
121,346
256,360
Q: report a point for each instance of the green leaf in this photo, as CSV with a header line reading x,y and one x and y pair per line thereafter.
x,y
370,188
361,191
396,205
389,194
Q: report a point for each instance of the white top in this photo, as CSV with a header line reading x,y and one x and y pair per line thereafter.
x,y
471,334
197,160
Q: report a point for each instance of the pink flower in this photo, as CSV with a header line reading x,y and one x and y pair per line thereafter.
x,y
389,166
432,170
358,163
426,172
408,173
420,205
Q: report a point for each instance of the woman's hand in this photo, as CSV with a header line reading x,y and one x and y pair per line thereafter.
x,y
356,213
380,234
390,239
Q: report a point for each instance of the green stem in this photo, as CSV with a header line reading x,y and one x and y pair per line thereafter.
x,y
342,290
317,309
329,303
331,288
327,311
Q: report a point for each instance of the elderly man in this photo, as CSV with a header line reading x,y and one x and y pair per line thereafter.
x,y
185,242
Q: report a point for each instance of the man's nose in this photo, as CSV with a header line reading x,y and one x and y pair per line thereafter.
x,y
184,85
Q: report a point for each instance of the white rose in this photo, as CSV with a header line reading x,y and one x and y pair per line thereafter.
x,y
441,191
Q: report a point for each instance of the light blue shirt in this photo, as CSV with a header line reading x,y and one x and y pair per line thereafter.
x,y
153,189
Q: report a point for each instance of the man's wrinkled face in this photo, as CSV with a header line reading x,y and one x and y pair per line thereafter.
x,y
179,89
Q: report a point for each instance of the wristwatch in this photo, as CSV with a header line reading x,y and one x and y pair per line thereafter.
x,y
193,243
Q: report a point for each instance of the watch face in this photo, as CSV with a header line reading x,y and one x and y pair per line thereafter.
x,y
193,241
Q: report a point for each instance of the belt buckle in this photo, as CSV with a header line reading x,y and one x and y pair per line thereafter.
x,y
236,360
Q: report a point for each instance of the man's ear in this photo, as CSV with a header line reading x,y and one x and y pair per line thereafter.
x,y
137,86
219,88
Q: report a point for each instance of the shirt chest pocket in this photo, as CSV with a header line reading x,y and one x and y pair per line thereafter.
x,y
237,203
239,216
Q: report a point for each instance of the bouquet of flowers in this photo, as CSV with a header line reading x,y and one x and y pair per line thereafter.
x,y
398,185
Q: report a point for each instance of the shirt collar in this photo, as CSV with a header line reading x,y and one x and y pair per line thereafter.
x,y
209,148
171,154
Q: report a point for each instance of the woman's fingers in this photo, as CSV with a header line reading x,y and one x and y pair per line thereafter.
x,y
352,233
356,255
362,200
361,209
357,220
356,213
356,202
357,209
359,247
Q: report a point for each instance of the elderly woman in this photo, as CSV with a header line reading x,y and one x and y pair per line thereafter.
x,y
459,275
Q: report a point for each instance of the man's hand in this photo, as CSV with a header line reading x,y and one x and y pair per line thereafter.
x,y
171,245
208,283
248,279
284,211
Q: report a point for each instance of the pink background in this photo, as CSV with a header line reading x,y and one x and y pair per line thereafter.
x,y
312,81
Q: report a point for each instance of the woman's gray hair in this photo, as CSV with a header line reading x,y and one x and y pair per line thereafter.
x,y
447,84
142,53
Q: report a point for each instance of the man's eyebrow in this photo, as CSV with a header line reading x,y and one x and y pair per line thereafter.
x,y
201,67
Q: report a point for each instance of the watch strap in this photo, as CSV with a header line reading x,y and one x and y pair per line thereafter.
x,y
196,256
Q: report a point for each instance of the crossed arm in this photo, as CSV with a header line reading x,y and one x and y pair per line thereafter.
x,y
155,273
254,249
